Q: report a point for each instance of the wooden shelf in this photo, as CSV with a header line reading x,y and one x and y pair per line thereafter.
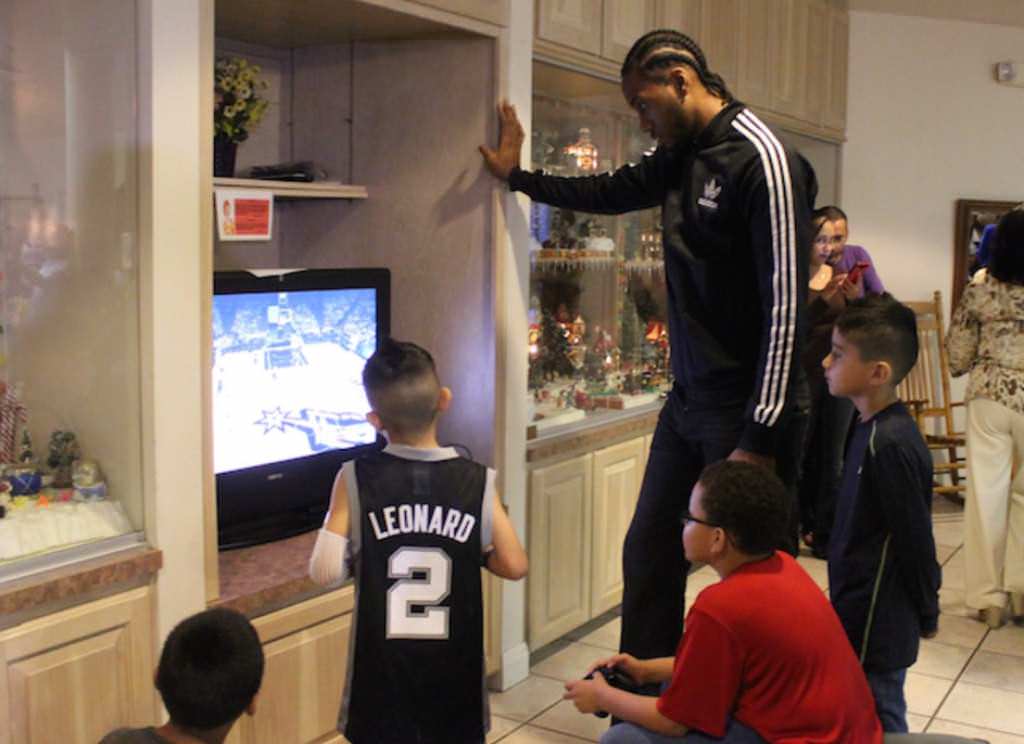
x,y
294,189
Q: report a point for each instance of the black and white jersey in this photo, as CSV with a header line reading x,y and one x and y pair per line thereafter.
x,y
420,521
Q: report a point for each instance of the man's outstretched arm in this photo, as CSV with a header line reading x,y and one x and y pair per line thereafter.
x,y
631,187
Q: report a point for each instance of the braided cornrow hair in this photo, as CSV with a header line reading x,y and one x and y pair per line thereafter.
x,y
659,49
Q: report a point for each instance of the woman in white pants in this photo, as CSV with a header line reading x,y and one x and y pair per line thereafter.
x,y
986,338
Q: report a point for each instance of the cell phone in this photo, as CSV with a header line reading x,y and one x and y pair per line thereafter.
x,y
856,271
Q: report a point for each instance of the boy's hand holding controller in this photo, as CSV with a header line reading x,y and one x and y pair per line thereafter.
x,y
622,671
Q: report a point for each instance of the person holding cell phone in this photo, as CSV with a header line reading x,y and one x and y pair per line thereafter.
x,y
853,261
829,417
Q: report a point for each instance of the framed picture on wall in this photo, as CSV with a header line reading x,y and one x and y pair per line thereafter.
x,y
972,217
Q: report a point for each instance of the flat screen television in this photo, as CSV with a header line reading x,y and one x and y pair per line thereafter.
x,y
288,401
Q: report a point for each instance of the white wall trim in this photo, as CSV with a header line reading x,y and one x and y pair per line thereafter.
x,y
515,667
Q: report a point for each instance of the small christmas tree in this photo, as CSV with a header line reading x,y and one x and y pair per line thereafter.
x,y
25,453
631,336
555,347
63,452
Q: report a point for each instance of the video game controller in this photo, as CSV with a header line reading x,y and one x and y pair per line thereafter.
x,y
616,679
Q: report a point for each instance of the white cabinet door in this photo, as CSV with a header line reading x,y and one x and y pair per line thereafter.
x,y
720,38
618,473
758,47
683,16
789,93
572,23
817,63
306,650
558,587
838,63
73,676
625,21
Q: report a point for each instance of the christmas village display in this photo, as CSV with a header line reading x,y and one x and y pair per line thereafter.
x,y
52,500
597,336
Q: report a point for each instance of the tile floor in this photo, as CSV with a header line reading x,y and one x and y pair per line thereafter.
x,y
968,681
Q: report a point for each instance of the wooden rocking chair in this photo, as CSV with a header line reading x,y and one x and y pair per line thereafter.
x,y
925,390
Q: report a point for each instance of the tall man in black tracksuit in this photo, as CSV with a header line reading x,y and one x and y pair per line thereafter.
x,y
736,221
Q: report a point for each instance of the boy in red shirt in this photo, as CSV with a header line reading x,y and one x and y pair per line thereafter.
x,y
763,657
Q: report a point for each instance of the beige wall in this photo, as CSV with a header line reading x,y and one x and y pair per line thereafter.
x,y
927,125
412,142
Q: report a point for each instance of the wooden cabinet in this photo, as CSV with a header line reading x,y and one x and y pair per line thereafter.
x,y
790,71
816,65
681,15
785,58
491,588
571,23
73,676
559,545
492,11
580,510
838,64
759,47
720,37
306,650
618,472
624,21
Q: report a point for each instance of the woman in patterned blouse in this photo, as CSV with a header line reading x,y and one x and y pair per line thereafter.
x,y
986,338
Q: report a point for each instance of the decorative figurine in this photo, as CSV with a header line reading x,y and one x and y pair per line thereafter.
x,y
584,151
64,451
25,480
597,238
25,453
88,481
12,415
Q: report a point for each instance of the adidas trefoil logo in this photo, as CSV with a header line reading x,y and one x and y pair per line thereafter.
x,y
711,192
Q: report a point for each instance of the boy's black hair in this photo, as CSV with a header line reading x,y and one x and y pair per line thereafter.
x,y
402,386
1007,262
663,48
883,330
210,669
829,213
747,501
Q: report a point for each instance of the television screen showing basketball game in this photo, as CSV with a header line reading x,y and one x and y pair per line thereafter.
x,y
287,374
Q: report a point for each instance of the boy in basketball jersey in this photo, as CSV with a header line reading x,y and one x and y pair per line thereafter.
x,y
414,523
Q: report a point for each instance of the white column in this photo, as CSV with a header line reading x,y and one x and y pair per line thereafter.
x,y
176,52
517,78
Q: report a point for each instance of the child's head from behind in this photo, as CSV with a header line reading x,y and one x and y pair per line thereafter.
x,y
735,506
403,390
210,669
874,346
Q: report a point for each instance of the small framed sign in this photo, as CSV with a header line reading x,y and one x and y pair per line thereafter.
x,y
244,214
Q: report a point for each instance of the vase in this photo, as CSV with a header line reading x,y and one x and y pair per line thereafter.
x,y
224,151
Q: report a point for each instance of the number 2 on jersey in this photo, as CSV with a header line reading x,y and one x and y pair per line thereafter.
x,y
409,591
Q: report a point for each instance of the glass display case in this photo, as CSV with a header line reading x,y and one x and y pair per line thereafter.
x,y
598,340
70,410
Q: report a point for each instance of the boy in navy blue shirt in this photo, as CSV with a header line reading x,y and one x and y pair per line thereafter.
x,y
883,575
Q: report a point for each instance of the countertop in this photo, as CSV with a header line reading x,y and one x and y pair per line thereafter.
x,y
62,586
264,578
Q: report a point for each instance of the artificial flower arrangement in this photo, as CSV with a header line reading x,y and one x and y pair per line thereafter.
x,y
238,105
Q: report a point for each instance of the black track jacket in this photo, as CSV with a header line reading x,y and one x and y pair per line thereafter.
x,y
736,233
